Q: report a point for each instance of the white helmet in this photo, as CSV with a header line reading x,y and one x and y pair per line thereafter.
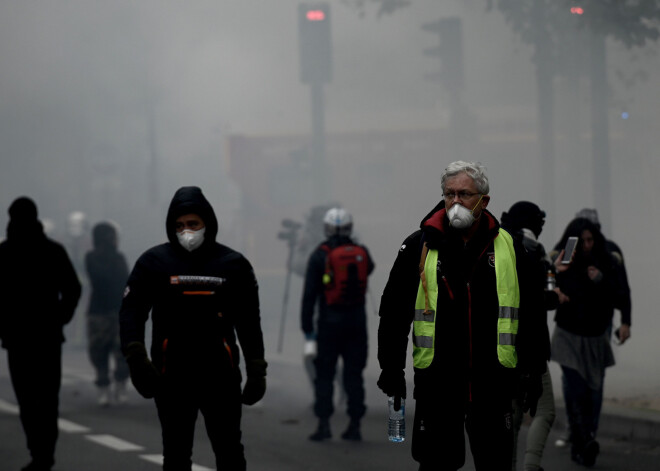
x,y
337,221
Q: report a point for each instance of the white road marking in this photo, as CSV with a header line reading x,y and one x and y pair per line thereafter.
x,y
113,442
158,459
71,427
105,440
8,407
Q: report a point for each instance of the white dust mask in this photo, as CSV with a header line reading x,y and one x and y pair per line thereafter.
x,y
191,240
460,217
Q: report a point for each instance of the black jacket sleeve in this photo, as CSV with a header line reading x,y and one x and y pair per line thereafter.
x,y
533,340
313,289
372,265
623,300
397,305
247,322
137,302
69,287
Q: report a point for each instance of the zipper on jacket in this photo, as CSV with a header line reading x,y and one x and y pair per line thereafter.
x,y
451,293
162,369
228,348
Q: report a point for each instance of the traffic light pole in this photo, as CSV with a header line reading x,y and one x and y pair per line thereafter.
x,y
315,46
318,142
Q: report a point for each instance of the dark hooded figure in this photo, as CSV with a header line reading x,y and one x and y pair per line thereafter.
x,y
107,272
40,291
525,221
203,298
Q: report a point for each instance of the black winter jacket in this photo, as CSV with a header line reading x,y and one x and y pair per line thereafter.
x,y
39,287
465,365
107,272
591,307
201,301
314,291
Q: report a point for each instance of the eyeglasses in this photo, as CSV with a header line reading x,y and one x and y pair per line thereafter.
x,y
463,195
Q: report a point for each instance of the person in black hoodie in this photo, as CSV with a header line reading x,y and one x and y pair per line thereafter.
x,y
40,290
203,297
462,268
107,272
341,328
525,221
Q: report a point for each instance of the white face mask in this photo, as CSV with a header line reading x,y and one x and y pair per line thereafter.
x,y
191,240
460,217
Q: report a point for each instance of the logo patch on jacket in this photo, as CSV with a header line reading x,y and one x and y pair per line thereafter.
x,y
491,259
197,285
197,280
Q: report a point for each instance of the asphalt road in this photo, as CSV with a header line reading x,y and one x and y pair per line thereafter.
x,y
127,437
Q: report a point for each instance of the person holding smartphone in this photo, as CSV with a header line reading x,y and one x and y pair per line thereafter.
x,y
592,285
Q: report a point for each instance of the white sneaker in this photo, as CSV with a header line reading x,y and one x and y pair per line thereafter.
x,y
103,398
561,442
120,393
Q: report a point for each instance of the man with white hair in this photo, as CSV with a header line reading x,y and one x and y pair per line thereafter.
x,y
462,282
336,279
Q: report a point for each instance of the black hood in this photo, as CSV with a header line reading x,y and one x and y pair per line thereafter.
x,y
191,200
24,227
104,236
524,215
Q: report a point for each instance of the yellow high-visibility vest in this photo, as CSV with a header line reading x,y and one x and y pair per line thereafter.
x,y
508,295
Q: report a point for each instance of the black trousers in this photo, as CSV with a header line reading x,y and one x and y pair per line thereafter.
x,y
350,342
439,434
583,406
36,374
218,398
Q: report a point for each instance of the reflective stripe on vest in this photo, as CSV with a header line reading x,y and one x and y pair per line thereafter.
x,y
508,295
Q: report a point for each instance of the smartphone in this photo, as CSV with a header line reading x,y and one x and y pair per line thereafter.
x,y
569,250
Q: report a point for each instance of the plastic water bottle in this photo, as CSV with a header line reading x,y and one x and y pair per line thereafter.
x,y
396,426
551,283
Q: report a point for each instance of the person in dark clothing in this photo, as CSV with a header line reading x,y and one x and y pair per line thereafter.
x,y
524,221
40,291
107,272
470,361
593,285
203,297
624,304
341,328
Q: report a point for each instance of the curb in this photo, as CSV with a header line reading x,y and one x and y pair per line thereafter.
x,y
623,423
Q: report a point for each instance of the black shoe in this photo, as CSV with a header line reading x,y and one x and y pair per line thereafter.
x,y
353,431
322,432
590,452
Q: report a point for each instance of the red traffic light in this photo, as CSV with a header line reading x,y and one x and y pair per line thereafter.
x,y
315,15
577,10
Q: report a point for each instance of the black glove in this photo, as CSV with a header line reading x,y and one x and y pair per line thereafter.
x,y
255,386
393,383
143,373
531,389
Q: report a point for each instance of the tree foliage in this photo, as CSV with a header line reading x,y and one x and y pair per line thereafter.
x,y
632,22
384,7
